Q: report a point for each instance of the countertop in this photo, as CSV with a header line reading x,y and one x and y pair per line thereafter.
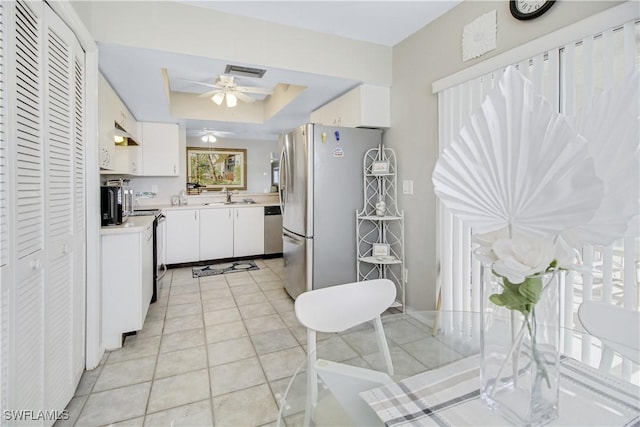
x,y
134,224
215,205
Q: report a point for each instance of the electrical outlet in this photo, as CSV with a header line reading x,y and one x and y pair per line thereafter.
x,y
407,186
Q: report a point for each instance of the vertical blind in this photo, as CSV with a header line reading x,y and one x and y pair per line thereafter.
x,y
568,77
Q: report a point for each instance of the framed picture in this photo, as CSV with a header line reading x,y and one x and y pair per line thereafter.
x,y
217,168
380,250
380,167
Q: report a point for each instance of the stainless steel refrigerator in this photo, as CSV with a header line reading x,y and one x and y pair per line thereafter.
x,y
321,188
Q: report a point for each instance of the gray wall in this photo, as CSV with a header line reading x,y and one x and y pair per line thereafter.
x,y
427,56
258,168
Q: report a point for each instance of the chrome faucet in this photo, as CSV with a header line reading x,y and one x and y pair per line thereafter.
x,y
229,193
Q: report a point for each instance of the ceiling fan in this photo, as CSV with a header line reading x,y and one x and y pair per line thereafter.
x,y
226,88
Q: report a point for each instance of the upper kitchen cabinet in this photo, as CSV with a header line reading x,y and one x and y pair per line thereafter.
x,y
106,127
118,133
160,152
365,106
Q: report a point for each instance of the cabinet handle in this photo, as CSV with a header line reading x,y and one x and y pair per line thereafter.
x,y
174,168
66,249
195,215
34,264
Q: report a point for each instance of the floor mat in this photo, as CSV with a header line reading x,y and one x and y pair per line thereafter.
x,y
224,268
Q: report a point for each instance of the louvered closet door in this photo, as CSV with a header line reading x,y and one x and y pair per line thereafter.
x,y
79,218
4,217
27,303
60,160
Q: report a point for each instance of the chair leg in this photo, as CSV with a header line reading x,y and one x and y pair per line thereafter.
x,y
312,377
382,344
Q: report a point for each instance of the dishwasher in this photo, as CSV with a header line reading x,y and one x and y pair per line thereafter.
x,y
272,230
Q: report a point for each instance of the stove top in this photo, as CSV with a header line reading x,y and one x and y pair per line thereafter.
x,y
145,212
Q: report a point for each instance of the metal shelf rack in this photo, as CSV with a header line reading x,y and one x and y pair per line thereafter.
x,y
381,230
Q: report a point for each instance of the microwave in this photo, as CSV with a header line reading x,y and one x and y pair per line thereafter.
x,y
116,201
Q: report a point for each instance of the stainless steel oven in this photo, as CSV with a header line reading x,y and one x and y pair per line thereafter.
x,y
158,258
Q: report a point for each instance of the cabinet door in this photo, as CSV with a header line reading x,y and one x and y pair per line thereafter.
x,y
106,127
160,149
216,233
183,240
248,231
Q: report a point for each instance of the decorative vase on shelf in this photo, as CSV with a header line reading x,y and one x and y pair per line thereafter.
x,y
519,347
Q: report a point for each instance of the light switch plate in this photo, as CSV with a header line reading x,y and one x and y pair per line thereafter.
x,y
407,186
154,189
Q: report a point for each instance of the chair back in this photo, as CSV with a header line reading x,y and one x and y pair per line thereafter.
x,y
338,308
617,327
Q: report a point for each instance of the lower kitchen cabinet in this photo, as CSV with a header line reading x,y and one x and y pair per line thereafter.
x,y
183,235
127,283
248,231
216,233
213,233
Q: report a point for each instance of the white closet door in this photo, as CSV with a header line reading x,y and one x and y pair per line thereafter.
x,y
4,231
27,302
59,136
42,199
4,217
79,219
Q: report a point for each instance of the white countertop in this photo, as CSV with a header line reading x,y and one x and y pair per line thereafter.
x,y
215,205
134,224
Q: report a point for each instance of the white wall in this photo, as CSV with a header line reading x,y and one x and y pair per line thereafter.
x,y
258,169
429,55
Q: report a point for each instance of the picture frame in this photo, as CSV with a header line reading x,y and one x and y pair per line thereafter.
x,y
380,167
380,250
217,168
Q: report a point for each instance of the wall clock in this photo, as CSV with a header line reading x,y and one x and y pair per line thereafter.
x,y
529,9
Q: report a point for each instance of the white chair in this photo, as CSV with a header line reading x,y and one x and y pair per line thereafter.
x,y
336,309
618,328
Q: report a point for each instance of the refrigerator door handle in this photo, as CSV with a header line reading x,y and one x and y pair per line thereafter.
x,y
283,179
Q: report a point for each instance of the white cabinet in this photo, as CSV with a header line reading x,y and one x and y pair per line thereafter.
x,y
183,235
114,158
216,233
248,231
105,124
380,224
365,106
127,282
160,150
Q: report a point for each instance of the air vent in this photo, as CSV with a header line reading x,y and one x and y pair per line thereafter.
x,y
238,70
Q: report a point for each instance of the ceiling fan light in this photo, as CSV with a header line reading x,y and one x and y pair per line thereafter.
x,y
209,138
232,100
218,97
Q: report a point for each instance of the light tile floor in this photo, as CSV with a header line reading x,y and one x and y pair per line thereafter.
x,y
219,350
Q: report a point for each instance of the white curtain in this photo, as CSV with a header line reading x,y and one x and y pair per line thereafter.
x,y
568,76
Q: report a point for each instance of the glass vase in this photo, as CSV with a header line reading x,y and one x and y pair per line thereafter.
x,y
519,372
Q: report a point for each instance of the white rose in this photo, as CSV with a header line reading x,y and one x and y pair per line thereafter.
x,y
522,256
484,252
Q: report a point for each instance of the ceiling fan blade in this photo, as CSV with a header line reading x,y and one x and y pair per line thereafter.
x,y
249,89
200,83
210,93
244,98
